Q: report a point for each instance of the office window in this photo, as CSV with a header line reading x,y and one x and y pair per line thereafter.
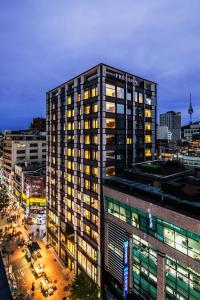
x,y
86,124
147,138
120,92
110,90
110,155
140,98
129,96
110,139
147,113
95,139
87,184
86,94
147,126
87,109
148,100
94,155
120,139
79,97
136,96
95,171
95,107
94,92
110,123
148,152
129,140
110,107
69,100
94,123
87,139
87,169
110,171
87,154
120,108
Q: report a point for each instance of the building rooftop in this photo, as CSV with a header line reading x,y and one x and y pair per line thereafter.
x,y
168,184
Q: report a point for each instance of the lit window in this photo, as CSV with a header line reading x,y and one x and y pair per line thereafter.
x,y
86,214
94,92
87,169
147,138
120,108
120,92
86,94
129,96
87,184
147,126
110,107
147,113
95,139
94,123
94,155
110,171
95,107
87,109
95,171
129,140
110,90
69,152
87,139
140,98
69,100
110,123
148,152
87,154
79,97
87,124
148,101
136,96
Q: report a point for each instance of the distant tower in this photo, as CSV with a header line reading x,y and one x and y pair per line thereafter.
x,y
190,109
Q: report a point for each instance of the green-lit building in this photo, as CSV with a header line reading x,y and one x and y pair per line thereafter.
x,y
152,233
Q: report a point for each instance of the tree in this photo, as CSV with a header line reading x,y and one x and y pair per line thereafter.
x,y
4,198
84,288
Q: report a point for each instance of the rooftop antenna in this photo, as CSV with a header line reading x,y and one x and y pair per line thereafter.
x,y
190,109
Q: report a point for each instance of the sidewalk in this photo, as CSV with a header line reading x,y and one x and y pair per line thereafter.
x,y
21,269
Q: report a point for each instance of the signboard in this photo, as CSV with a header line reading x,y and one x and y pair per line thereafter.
x,y
126,270
123,77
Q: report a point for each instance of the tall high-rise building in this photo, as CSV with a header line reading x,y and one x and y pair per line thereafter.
x,y
172,120
98,123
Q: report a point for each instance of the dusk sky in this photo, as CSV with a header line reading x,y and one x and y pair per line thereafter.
x,y
46,42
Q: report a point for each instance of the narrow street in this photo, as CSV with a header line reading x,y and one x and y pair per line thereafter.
x,y
21,271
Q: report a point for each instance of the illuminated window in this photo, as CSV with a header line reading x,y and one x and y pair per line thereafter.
x,y
95,139
120,108
87,184
69,113
87,124
148,101
110,123
147,126
94,155
69,152
110,171
95,107
136,96
87,169
94,92
110,139
69,100
147,113
70,246
87,154
147,138
110,90
94,187
79,97
86,94
95,171
79,124
140,98
110,107
94,202
148,152
120,92
87,109
95,235
94,219
129,140
87,139
94,123
86,214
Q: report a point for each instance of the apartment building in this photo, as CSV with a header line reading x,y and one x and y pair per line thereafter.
x,y
21,147
98,123
152,233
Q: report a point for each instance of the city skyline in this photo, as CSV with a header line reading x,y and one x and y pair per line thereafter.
x,y
59,42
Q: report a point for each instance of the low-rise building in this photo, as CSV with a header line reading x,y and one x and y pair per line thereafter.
x,y
152,232
191,132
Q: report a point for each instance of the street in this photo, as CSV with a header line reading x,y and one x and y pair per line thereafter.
x,y
23,280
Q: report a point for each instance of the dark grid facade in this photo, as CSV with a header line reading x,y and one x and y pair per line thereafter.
x,y
98,123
